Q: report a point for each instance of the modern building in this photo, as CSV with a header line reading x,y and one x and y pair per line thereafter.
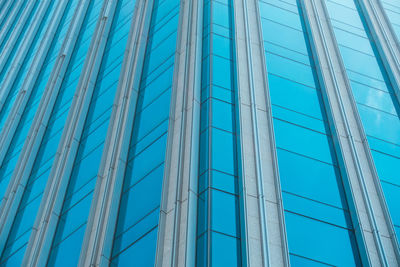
x,y
200,133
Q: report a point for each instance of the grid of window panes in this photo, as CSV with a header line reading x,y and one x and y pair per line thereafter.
x,y
218,226
19,235
376,102
318,223
392,10
76,207
17,74
137,225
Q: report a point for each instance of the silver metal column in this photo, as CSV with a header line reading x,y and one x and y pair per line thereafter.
x,y
98,241
13,195
23,49
35,136
5,9
385,40
53,197
10,19
363,182
10,126
263,210
176,244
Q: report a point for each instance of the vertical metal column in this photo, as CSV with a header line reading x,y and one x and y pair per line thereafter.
x,y
98,241
385,40
263,209
26,43
61,171
363,182
177,236
13,195
24,93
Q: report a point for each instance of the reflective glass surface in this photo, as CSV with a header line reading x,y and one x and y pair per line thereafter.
x,y
26,214
375,98
72,223
392,10
218,225
318,224
138,217
17,74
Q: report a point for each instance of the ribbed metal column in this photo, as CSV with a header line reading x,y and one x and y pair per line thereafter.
x,y
35,136
363,184
40,122
61,171
24,93
265,232
26,43
98,241
177,235
10,19
385,40
15,189
5,9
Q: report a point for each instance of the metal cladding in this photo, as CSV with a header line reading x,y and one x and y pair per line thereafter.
x,y
199,133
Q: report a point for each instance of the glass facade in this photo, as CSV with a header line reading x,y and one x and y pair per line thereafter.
x,y
218,225
312,187
376,102
137,224
392,10
57,60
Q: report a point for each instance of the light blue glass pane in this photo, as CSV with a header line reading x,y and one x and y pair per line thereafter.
x,y
361,63
297,261
380,124
392,196
382,146
201,251
288,37
224,182
221,46
222,115
67,252
280,15
294,96
320,241
223,151
316,210
387,167
374,98
222,72
343,13
310,178
298,119
361,43
141,253
303,141
290,69
136,231
142,198
224,217
220,14
224,250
